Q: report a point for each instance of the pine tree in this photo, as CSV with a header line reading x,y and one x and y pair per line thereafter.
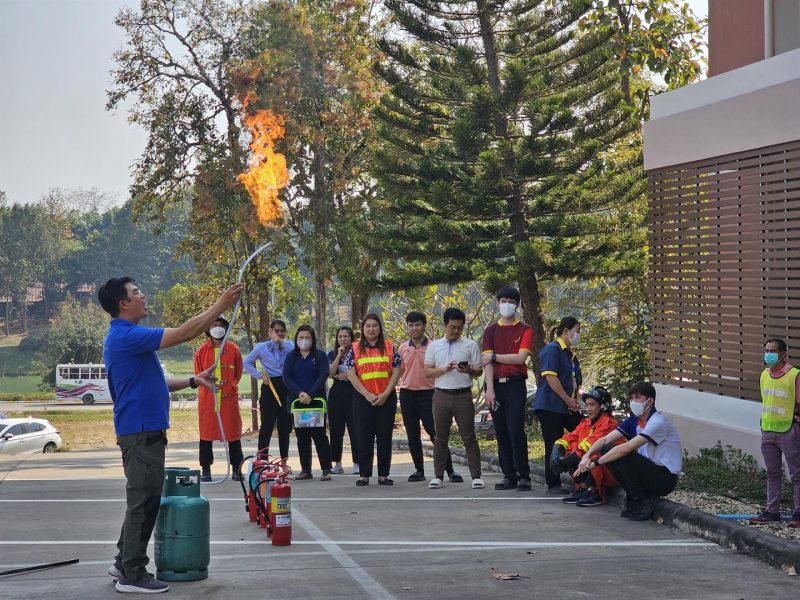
x,y
507,151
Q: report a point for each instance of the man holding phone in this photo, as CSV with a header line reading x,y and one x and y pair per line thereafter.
x,y
452,362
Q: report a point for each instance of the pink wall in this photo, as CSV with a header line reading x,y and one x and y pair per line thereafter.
x,y
735,34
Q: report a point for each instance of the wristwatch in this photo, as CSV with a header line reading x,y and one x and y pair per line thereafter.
x,y
192,383
493,357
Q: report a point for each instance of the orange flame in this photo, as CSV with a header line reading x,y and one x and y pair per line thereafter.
x,y
267,173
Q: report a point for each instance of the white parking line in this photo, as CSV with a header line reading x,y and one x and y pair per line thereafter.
x,y
296,499
327,541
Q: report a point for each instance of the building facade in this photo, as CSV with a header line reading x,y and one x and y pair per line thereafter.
x,y
723,163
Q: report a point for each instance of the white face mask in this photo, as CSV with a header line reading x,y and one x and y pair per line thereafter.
x,y
217,332
304,344
637,408
575,338
507,309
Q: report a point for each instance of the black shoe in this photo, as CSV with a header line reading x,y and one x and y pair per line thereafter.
x,y
505,484
524,484
416,476
386,481
644,508
455,477
557,490
591,498
575,496
205,474
362,482
766,517
626,512
236,476
146,585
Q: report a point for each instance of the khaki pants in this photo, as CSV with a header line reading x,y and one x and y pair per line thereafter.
x,y
446,407
143,461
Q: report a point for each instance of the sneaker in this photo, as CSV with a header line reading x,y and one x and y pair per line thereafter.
x,y
575,496
337,469
205,474
643,509
356,470
524,484
766,517
455,477
477,483
417,476
435,483
590,498
115,570
146,585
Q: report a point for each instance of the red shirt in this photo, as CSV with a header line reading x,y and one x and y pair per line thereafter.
x,y
507,339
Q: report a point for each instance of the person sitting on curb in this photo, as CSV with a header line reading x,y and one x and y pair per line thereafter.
x,y
568,451
647,465
780,429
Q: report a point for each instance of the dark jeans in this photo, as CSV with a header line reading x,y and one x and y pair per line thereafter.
x,y
234,449
509,426
417,406
641,477
374,423
143,463
340,415
304,436
553,426
272,413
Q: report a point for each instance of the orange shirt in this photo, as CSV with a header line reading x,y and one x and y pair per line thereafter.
x,y
413,377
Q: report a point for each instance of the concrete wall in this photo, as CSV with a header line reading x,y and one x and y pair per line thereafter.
x,y
752,107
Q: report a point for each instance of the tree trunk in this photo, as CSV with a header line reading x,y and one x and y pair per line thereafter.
x,y
534,316
320,309
24,314
359,305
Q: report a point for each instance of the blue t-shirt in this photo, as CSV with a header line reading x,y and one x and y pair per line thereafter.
x,y
135,377
558,360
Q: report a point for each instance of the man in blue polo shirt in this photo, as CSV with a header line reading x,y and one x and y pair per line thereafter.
x,y
141,414
647,465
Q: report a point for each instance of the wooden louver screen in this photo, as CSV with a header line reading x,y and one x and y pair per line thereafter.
x,y
725,267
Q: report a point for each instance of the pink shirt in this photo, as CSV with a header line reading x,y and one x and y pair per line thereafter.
x,y
413,377
778,373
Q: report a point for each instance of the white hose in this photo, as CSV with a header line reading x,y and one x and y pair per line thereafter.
x,y
219,356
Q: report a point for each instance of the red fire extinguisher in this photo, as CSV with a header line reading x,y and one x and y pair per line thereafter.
x,y
281,512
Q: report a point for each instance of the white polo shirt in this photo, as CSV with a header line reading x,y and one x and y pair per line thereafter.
x,y
442,352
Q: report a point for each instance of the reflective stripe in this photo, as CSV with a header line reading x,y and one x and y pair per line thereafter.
x,y
778,410
778,400
375,375
562,442
584,445
368,360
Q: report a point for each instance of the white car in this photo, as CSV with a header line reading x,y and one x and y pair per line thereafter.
x,y
28,436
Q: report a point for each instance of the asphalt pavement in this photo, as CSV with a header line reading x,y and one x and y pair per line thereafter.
x,y
404,541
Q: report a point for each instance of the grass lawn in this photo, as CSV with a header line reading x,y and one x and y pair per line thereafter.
x,y
14,361
27,384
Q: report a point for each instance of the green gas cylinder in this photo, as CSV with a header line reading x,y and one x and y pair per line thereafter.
x,y
183,528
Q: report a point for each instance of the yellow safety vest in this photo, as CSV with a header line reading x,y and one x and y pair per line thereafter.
x,y
778,397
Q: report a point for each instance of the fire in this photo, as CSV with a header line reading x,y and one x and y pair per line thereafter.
x,y
267,173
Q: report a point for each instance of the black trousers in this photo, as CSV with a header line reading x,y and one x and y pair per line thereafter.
x,y
553,426
417,406
509,426
323,446
340,415
374,423
641,477
272,414
234,449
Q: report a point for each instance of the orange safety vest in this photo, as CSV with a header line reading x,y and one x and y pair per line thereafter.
x,y
372,367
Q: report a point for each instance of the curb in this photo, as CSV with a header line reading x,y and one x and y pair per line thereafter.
x,y
774,551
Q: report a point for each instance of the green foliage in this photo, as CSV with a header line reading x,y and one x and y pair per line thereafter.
x,y
728,472
76,336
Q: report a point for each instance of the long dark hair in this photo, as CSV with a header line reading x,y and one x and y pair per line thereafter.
x,y
381,343
349,330
565,323
313,350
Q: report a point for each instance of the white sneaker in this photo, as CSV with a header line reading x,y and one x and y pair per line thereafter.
x,y
435,483
356,470
337,469
477,483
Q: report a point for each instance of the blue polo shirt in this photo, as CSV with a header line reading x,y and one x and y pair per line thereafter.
x,y
307,374
135,377
556,359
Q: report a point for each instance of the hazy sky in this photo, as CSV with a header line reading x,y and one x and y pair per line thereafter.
x,y
55,58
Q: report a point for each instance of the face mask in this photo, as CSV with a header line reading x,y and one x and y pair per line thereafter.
x,y
217,332
771,358
637,408
575,337
304,344
507,309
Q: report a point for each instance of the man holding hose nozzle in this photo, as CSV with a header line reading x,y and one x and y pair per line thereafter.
x,y
141,414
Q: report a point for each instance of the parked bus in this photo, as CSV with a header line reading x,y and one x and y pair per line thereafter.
x,y
87,382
